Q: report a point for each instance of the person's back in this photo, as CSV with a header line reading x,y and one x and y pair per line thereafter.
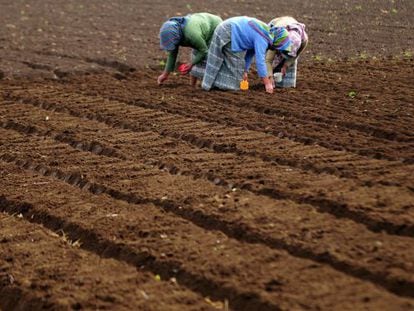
x,y
243,35
282,21
205,23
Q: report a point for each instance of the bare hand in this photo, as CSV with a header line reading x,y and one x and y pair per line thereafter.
x,y
162,77
269,88
268,85
245,76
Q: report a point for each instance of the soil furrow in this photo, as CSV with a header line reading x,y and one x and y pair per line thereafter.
x,y
275,117
120,193
206,207
379,212
221,111
34,261
282,151
161,246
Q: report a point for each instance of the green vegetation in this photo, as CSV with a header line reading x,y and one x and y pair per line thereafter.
x,y
352,94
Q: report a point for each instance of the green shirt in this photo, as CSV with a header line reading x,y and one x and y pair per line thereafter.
x,y
197,33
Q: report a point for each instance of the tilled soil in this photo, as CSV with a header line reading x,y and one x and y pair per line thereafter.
x,y
60,38
118,194
207,193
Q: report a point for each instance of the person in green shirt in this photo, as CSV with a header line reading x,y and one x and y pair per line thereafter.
x,y
193,30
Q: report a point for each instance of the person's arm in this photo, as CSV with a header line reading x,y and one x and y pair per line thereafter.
x,y
270,56
289,62
248,59
169,66
260,48
171,60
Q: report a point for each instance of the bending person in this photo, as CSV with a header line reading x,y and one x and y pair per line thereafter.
x,y
235,42
195,31
287,63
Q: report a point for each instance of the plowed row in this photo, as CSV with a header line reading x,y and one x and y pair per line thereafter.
x,y
223,201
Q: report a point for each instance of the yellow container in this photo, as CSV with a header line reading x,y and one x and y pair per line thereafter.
x,y
244,85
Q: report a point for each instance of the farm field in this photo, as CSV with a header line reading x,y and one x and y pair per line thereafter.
x,y
119,194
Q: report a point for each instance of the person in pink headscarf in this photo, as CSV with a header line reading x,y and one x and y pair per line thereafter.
x,y
286,63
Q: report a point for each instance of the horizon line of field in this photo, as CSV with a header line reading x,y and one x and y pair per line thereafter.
x,y
323,205
199,219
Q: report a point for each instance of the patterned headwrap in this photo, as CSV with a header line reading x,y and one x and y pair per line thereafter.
x,y
297,33
281,41
171,33
277,37
297,36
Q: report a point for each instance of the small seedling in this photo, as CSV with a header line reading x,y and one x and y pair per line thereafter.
x,y
318,58
352,94
66,239
408,54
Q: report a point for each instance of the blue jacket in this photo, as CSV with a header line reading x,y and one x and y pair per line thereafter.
x,y
245,38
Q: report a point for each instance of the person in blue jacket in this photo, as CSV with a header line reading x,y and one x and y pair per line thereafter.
x,y
234,44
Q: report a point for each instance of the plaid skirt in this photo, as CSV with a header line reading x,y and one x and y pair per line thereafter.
x,y
224,69
289,80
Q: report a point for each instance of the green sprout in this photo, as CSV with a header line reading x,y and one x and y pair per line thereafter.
x,y
352,94
408,54
318,58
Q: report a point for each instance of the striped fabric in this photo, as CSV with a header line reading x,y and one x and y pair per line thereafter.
x,y
299,40
289,80
171,33
276,36
263,30
281,41
297,33
224,69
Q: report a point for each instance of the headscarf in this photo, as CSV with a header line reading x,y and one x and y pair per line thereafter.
x,y
281,41
171,33
297,36
297,33
276,37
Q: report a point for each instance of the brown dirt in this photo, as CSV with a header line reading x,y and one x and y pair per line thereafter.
x,y
118,194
